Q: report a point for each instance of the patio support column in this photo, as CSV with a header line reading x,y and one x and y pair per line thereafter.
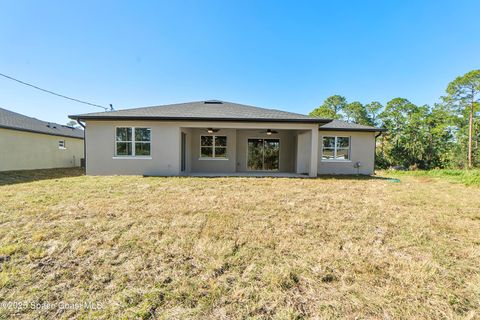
x,y
314,153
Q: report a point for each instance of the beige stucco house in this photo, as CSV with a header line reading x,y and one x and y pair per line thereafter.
x,y
27,143
222,138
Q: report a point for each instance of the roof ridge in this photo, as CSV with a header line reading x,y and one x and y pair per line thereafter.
x,y
197,110
357,124
278,110
145,107
342,125
33,118
16,121
19,114
200,102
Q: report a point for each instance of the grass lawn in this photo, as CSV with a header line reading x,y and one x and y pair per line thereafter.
x,y
238,247
467,177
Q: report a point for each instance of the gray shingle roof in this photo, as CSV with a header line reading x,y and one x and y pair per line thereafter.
x,y
16,121
339,125
211,110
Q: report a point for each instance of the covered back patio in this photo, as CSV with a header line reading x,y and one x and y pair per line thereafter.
x,y
249,149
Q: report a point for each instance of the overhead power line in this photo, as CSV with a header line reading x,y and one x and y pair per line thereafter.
x,y
54,93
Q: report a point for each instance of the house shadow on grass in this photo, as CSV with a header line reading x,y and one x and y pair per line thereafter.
x,y
274,176
24,176
352,177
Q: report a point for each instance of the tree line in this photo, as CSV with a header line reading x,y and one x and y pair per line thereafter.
x,y
444,135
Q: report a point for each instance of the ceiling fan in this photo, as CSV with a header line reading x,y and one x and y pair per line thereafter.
x,y
211,130
269,132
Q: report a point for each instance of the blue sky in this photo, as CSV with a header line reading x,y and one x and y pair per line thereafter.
x,y
284,55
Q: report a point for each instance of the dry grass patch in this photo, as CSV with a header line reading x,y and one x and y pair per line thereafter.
x,y
241,248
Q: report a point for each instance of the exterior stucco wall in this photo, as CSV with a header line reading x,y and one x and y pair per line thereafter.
x,y
20,150
303,152
287,150
166,147
362,150
213,165
165,150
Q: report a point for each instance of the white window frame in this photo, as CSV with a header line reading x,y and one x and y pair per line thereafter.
x,y
335,148
132,156
213,147
62,145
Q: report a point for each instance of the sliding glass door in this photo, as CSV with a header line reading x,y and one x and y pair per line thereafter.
x,y
263,154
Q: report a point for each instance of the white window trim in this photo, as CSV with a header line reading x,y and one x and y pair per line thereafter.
x,y
336,160
133,156
213,147
335,150
62,147
214,159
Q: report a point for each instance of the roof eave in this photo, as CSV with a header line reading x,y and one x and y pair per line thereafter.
x,y
354,129
130,118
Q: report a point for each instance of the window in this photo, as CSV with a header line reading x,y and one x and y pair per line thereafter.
x,y
336,148
213,147
133,142
61,144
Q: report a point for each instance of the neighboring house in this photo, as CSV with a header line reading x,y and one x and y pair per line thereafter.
x,y
28,143
223,138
